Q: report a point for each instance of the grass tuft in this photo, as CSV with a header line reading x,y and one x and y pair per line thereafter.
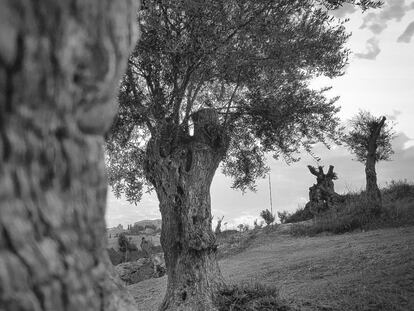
x,y
301,214
249,297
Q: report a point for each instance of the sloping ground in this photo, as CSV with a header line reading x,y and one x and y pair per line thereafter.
x,y
358,271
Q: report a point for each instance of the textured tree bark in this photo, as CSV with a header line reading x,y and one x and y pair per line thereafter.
x,y
181,173
322,195
372,190
60,63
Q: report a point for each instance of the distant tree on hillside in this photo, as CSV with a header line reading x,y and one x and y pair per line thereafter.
x,y
123,244
257,225
283,216
370,141
218,226
268,217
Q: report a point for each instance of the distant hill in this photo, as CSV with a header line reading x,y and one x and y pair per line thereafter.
x,y
115,230
154,222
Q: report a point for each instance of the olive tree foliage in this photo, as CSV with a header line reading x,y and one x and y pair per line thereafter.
x,y
362,131
250,61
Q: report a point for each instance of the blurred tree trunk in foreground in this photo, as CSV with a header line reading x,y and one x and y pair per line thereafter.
x,y
60,63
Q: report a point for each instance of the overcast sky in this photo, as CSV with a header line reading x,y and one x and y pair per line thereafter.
x,y
379,78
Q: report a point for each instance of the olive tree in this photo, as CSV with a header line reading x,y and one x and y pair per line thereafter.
x,y
369,139
215,83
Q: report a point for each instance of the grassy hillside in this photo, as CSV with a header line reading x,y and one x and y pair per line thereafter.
x,y
355,212
153,222
355,271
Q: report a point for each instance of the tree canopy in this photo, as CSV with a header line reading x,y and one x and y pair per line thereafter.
x,y
249,61
362,130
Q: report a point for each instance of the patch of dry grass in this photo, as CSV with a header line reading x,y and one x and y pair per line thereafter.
x,y
233,242
355,271
249,297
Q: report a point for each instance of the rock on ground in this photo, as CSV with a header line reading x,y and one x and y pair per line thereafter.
x,y
140,270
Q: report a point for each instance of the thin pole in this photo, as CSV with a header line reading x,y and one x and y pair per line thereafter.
x,y
270,192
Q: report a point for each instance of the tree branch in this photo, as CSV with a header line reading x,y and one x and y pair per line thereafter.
x,y
137,100
191,99
231,98
313,170
330,171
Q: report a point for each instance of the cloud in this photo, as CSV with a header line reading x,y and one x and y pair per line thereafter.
x,y
377,21
372,50
119,211
374,23
245,219
407,34
394,116
408,144
344,10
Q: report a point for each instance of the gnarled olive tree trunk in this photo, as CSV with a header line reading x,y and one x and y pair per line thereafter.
x,y
60,64
322,195
181,172
372,190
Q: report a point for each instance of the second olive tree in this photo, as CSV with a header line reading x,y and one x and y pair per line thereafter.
x,y
369,139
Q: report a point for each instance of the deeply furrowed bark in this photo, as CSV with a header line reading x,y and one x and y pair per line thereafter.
x,y
60,63
182,176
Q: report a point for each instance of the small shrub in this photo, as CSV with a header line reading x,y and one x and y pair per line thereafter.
x,y
267,216
258,225
123,242
283,216
249,297
396,190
